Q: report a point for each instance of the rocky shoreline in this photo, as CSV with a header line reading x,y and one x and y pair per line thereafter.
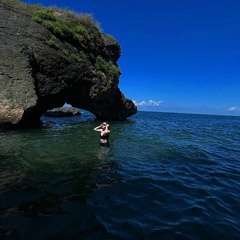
x,y
62,112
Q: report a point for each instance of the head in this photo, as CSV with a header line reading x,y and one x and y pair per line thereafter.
x,y
104,124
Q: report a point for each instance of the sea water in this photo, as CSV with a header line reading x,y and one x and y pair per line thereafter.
x,y
165,176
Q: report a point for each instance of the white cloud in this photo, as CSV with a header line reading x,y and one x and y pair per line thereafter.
x,y
149,103
234,109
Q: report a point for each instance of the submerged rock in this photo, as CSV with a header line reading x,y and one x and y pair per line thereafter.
x,y
62,112
50,57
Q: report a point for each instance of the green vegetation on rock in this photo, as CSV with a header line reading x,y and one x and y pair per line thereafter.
x,y
107,68
80,31
75,29
42,15
52,42
78,57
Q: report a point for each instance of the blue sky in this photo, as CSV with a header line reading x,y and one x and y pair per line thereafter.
x,y
177,56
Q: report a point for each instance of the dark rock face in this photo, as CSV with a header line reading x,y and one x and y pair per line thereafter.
x,y
36,77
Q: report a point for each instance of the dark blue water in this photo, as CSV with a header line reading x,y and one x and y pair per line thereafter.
x,y
166,176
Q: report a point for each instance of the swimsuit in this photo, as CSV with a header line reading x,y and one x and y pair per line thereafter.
x,y
106,137
106,144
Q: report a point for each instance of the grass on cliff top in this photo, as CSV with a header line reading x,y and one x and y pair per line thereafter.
x,y
21,5
78,29
54,13
67,25
69,21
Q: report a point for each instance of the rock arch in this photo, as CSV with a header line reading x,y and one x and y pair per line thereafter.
x,y
36,77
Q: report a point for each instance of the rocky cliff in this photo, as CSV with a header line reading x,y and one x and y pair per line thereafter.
x,y
49,57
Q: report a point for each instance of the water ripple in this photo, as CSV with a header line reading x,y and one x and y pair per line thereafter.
x,y
177,179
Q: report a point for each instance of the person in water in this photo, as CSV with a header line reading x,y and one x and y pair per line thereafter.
x,y
104,134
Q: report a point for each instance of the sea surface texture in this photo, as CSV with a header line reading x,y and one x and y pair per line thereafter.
x,y
165,176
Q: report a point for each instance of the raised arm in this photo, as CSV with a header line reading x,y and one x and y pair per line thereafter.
x,y
98,128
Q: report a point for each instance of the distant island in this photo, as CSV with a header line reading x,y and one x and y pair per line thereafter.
x,y
50,57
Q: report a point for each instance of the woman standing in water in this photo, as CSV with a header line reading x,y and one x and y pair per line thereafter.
x,y
104,134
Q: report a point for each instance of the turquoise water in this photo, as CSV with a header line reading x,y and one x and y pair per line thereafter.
x,y
166,176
